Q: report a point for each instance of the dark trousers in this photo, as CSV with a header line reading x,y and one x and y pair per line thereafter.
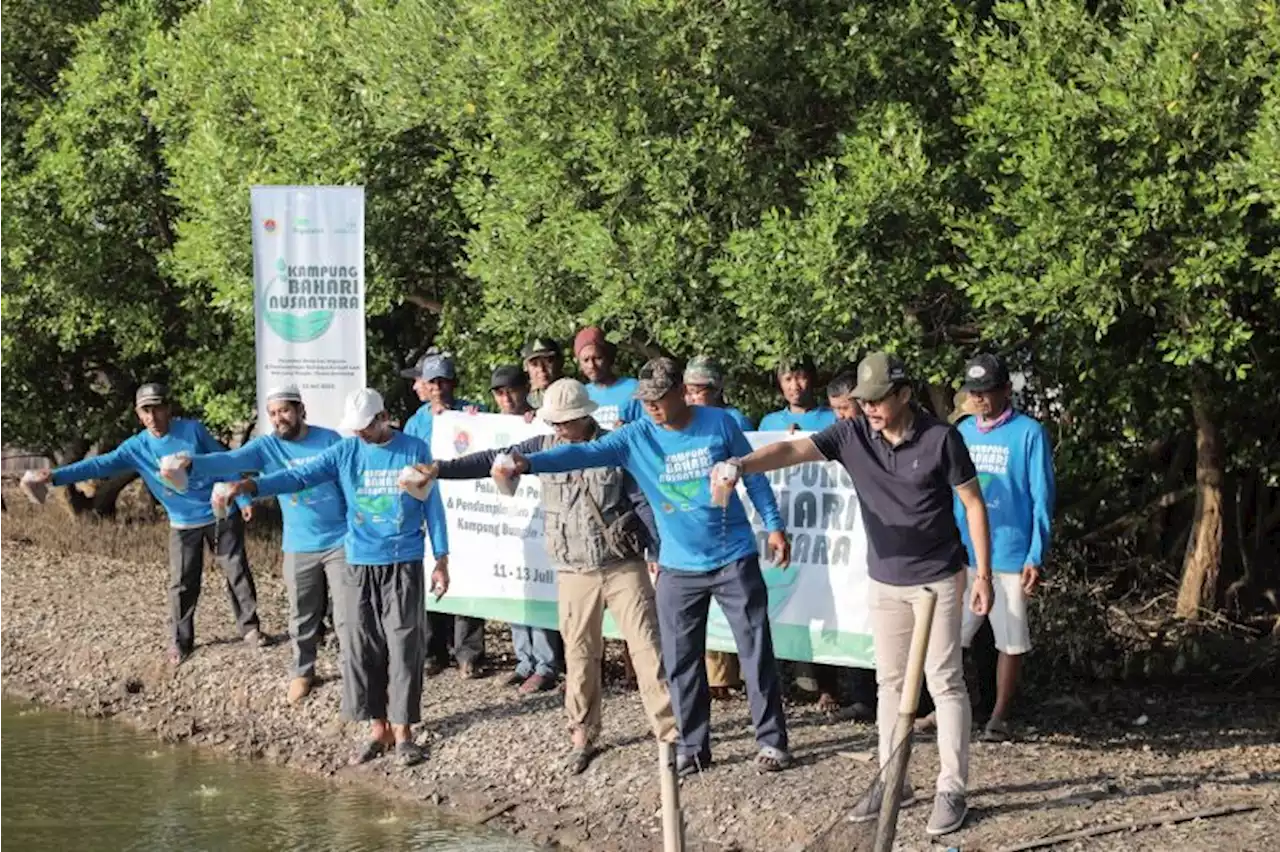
x,y
684,599
461,634
379,615
186,569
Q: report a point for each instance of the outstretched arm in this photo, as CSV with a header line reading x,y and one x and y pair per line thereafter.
x,y
478,465
781,454
609,451
319,469
99,467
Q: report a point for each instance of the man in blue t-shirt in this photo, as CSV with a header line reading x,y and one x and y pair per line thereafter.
x,y
706,552
614,397
797,380
1012,454
315,523
383,598
435,379
192,525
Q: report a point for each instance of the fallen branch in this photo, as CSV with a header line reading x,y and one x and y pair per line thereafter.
x,y
1128,522
493,812
1133,825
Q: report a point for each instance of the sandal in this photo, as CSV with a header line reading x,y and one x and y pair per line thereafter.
x,y
409,753
772,759
580,758
691,764
371,750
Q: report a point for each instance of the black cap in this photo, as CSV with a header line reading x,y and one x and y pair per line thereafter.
x,y
541,347
152,393
508,376
985,373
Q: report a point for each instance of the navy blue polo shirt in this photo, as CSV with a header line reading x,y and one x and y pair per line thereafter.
x,y
906,492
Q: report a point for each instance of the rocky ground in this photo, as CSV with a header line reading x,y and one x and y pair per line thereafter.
x,y
84,628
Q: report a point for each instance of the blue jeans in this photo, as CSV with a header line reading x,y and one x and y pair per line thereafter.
x,y
684,599
538,651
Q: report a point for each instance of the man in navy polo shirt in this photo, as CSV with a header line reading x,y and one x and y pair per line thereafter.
x,y
906,464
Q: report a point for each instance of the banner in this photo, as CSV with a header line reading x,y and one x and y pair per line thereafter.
x,y
308,295
499,567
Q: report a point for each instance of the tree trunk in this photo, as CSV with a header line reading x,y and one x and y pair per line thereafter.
x,y
108,492
1204,548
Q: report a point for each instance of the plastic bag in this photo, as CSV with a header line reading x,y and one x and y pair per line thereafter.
x,y
724,478
505,475
414,481
37,490
219,501
174,471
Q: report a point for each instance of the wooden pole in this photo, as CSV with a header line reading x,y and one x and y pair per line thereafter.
x,y
672,818
895,772
1098,830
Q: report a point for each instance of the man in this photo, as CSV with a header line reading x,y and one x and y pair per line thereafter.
x,y
1015,466
598,526
706,551
434,381
539,651
802,413
315,522
614,397
383,600
840,399
544,362
704,385
192,525
906,464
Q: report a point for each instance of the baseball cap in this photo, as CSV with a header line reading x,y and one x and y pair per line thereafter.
x,y
152,393
702,370
878,374
360,409
656,379
434,365
508,376
540,347
985,373
284,393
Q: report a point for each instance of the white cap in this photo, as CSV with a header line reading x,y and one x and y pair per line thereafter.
x,y
565,400
361,408
284,393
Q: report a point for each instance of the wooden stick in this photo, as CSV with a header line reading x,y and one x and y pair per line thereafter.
x,y
1129,826
494,812
896,771
672,819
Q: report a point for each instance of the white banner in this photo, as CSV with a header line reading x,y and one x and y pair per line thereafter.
x,y
500,568
308,276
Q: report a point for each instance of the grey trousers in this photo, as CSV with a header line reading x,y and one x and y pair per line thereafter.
x,y
684,600
459,634
311,578
379,614
186,570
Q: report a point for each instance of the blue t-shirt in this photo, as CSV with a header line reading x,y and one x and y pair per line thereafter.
x,y
384,522
1015,469
142,453
422,422
315,519
616,402
743,421
673,469
813,420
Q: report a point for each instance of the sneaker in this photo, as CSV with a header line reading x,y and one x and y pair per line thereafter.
x,y
949,811
868,807
299,688
255,638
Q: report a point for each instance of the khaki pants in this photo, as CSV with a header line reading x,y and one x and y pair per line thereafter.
x,y
722,670
627,593
891,624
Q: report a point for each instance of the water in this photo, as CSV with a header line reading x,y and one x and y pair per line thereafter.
x,y
80,784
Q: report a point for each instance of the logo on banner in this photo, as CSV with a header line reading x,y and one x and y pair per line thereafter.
x,y
301,301
461,441
269,225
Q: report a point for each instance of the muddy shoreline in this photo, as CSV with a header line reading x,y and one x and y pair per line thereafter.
x,y
86,633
